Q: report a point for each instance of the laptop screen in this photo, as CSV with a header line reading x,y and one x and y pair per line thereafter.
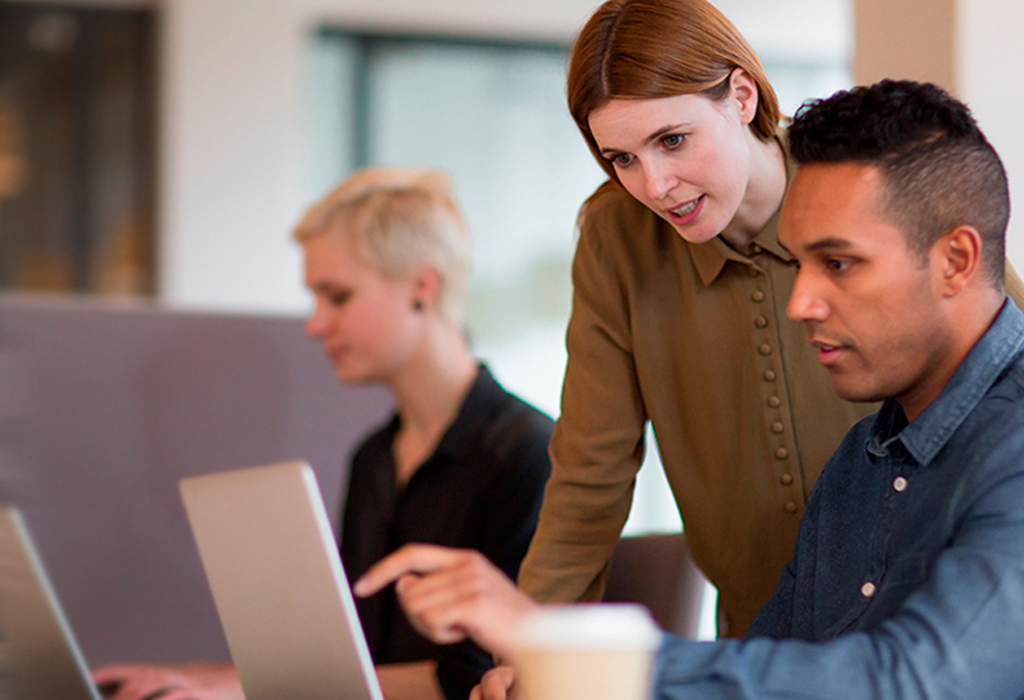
x,y
39,658
277,580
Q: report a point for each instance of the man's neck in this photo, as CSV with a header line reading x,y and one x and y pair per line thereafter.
x,y
969,321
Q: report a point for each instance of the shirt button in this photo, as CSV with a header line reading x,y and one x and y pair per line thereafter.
x,y
868,589
900,484
774,402
791,507
769,375
786,479
755,248
778,427
781,453
761,322
757,296
764,349
753,271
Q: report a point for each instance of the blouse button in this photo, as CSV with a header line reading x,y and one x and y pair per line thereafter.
x,y
757,296
769,375
868,589
786,479
774,401
791,507
778,427
765,349
781,453
761,322
900,484
753,271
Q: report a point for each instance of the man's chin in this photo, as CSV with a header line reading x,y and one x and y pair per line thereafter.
x,y
854,393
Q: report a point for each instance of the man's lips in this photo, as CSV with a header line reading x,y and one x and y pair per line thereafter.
x,y
828,351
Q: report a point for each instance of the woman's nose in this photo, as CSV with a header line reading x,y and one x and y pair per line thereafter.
x,y
316,324
658,180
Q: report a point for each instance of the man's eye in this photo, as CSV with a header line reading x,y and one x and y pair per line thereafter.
x,y
837,265
338,298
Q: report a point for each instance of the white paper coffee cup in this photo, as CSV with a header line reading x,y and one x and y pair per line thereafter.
x,y
586,652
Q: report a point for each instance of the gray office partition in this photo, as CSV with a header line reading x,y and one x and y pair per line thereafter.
x,y
104,406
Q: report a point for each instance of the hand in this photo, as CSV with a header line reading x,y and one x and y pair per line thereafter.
x,y
450,594
497,684
190,682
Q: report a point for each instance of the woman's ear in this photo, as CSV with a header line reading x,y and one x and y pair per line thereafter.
x,y
426,285
743,90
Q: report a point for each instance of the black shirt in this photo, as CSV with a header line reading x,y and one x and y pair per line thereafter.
x,y
481,489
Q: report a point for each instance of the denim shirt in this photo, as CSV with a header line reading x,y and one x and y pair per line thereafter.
x,y
908,575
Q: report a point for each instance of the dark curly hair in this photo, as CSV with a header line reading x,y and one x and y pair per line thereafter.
x,y
938,169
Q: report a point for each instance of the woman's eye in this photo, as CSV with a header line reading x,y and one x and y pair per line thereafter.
x,y
672,140
621,160
338,298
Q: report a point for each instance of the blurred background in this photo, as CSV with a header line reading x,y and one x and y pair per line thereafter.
x,y
162,150
158,152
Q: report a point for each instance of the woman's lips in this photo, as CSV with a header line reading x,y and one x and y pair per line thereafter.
x,y
688,212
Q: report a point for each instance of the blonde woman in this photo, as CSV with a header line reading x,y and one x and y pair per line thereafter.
x,y
461,462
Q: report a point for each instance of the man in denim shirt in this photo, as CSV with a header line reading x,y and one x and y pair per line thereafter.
x,y
909,565
908,575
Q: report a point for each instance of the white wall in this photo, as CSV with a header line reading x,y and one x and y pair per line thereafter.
x,y
990,51
969,47
230,152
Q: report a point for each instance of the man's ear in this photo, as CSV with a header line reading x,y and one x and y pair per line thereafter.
x,y
743,89
957,255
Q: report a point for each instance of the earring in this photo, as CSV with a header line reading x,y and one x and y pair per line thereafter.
x,y
417,305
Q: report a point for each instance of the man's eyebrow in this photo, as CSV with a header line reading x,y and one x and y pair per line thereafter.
x,y
826,244
652,137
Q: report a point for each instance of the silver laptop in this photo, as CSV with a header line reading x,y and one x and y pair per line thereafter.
x,y
282,596
39,658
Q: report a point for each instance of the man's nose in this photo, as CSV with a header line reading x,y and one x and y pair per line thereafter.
x,y
806,303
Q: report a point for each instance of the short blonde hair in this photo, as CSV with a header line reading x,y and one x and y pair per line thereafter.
x,y
398,219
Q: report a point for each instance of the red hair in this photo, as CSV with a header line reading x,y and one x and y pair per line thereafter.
x,y
649,49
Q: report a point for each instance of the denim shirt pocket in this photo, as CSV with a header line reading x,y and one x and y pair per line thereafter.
x,y
851,616
908,570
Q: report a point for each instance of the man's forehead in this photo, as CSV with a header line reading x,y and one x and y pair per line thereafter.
x,y
858,177
826,202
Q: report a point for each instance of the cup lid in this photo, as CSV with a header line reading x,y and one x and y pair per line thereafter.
x,y
584,626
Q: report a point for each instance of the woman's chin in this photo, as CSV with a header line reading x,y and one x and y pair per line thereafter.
x,y
696,235
349,374
699,231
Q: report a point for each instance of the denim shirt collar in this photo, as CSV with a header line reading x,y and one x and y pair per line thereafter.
x,y
925,436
